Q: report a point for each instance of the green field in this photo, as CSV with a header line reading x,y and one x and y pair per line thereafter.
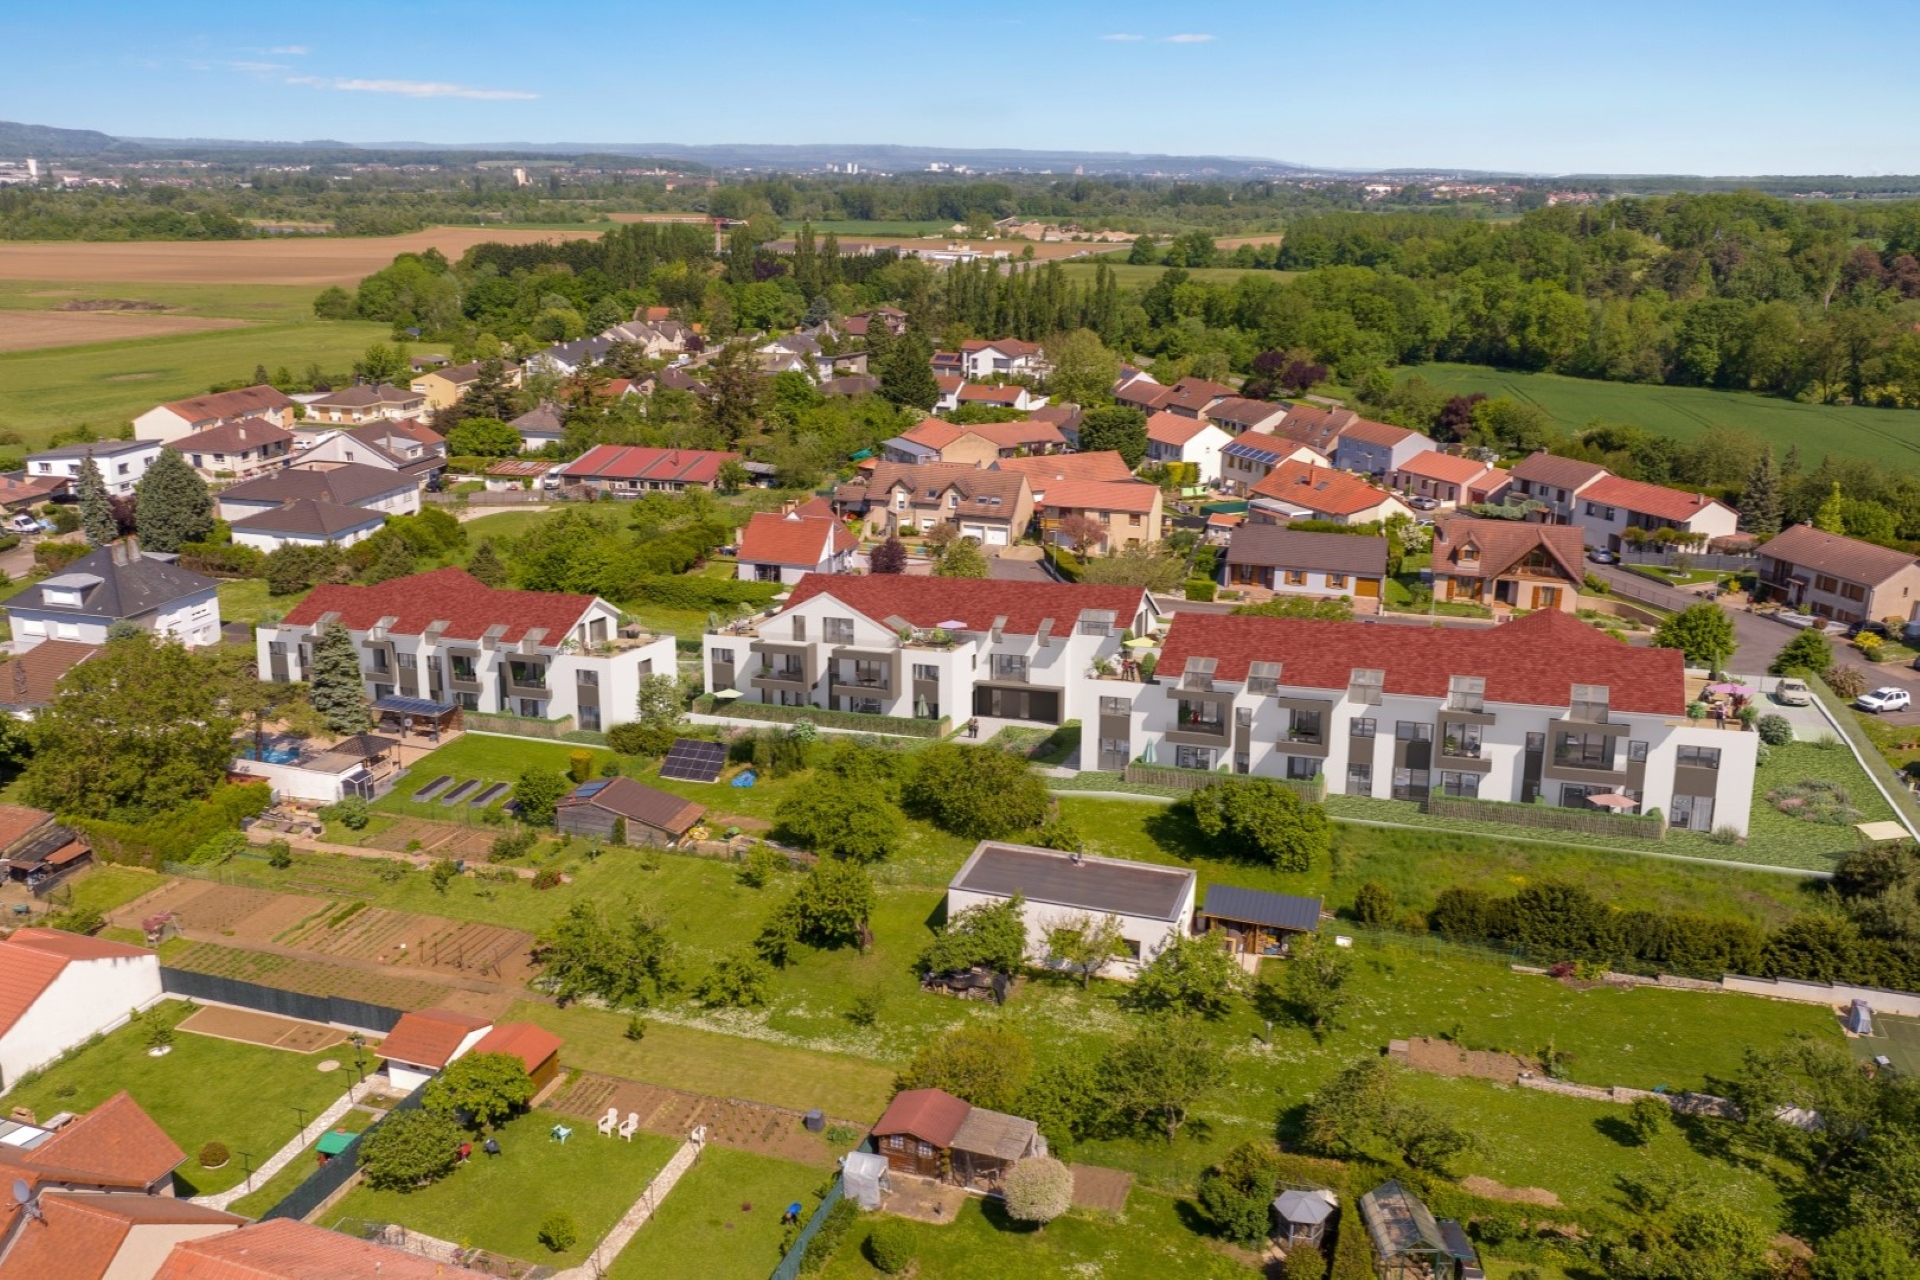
x,y
849,230
109,383
1887,436
266,303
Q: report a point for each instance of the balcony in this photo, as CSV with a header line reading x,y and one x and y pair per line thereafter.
x,y
1459,748
860,686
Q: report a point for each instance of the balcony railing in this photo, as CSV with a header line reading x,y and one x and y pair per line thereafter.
x,y
1459,749
1308,737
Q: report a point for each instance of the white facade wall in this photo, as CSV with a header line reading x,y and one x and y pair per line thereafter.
x,y
192,620
86,998
1150,936
161,424
1604,525
262,540
120,470
1318,584
1203,449
401,502
291,782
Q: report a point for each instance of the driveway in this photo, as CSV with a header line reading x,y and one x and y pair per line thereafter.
x,y
1759,637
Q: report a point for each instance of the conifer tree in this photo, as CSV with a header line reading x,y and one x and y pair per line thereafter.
x,y
172,505
906,372
1831,517
487,566
96,510
335,687
394,561
1760,500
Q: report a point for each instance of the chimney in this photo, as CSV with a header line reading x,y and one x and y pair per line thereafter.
x,y
19,679
133,547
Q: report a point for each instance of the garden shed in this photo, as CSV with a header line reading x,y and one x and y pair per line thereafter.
x,y
932,1134
1302,1214
1254,922
622,811
1409,1244
537,1048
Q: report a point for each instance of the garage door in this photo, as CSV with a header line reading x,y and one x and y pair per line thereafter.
x,y
1366,587
996,537
975,531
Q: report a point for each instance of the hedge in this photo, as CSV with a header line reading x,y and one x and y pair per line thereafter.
x,y
518,726
1174,778
701,593
901,726
224,560
173,836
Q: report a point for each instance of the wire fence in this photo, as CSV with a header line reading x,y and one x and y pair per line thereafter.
x,y
334,1174
789,1268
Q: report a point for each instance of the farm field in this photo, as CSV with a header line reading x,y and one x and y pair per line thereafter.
x,y
260,302
33,330
1890,437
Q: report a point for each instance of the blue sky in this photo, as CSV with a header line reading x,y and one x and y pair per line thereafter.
x,y
1697,86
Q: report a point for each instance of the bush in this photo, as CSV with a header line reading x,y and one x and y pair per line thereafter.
x,y
827,1240
55,556
890,1246
1237,1194
279,855
1038,1189
515,844
353,813
737,980
1774,730
1263,819
1200,588
558,1232
636,739
839,819
1809,651
175,835
980,793
1374,904
547,878
214,1154
410,1149
580,765
1306,1262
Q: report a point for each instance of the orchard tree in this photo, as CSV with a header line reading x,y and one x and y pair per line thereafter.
x,y
839,819
537,792
1153,1079
1084,945
991,935
625,960
1038,1190
830,908
978,1063
1190,975
1263,819
486,1088
1315,985
410,1149
977,792
172,504
337,690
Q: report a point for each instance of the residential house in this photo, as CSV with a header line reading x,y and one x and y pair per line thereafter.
x,y
1065,416
22,492
932,1134
1153,904
287,1249
58,990
179,418
1543,708
1377,448
674,378
402,445
785,546
893,318
88,1234
443,387
1196,397
1297,490
1319,426
236,450
371,488
955,392
1172,438
117,584
448,638
307,522
121,463
537,1048
35,849
1611,505
982,361
1249,459
425,1042
28,679
1293,562
1447,478
891,644
1237,415
655,338
1142,391
540,426
1844,579
1553,482
850,386
565,359
620,811
976,444
358,404
627,471
510,474
1508,563
992,507
1130,511
1101,464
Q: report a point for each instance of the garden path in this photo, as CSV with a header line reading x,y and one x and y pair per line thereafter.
x,y
614,1241
295,1147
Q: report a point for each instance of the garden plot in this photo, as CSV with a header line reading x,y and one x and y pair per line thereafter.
x,y
437,839
266,1029
253,915
748,1126
383,936
313,977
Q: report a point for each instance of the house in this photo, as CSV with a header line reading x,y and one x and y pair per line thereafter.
x,y
1196,397
1152,904
893,318
287,1249
59,989
1447,478
674,378
28,679
654,339
358,404
955,392
448,638
621,811
376,490
929,1133
1844,579
993,507
22,492
236,450
84,1234
364,764
510,474
1172,438
179,418
1249,459
117,584
1318,426
1137,390
540,426
1253,922
424,1041
444,386
977,444
1295,562
982,361
1129,512
1377,448
537,1048
892,644
1297,490
1611,505
35,849
1102,464
784,547
406,445
307,522
1543,709
121,463
627,471
850,386
1511,563
1237,415
565,359
1065,416
1409,1244
1555,483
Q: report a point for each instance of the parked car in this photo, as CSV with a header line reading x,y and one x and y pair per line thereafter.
x,y
1793,692
1886,699
1601,555
1424,503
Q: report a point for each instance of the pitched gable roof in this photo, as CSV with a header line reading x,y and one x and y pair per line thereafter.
x,y
1448,468
1132,496
349,485
116,1140
928,602
1278,547
80,1235
1321,489
1175,429
632,462
544,419
242,436
772,538
1103,464
1380,433
532,1045
1503,543
448,595
29,679
25,975
930,1115
1570,474
1247,415
990,492
1805,546
636,800
245,402
429,1037
310,518
124,584
286,1249
1311,424
1676,506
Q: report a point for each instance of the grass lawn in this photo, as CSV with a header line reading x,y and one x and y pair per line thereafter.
x,y
107,886
1777,837
1887,436
246,600
281,1185
1675,577
106,384
205,1090
507,524
266,303
847,229
702,1228
497,1203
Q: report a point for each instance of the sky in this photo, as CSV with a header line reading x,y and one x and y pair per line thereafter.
x,y
1686,86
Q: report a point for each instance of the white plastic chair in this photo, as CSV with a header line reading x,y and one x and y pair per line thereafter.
x,y
609,1121
628,1129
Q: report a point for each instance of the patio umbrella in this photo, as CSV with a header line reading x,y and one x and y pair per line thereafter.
x,y
1611,800
1146,754
952,624
728,693
920,707
1140,642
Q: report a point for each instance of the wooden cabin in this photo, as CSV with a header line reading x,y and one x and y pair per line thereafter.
x,y
622,811
1256,923
929,1133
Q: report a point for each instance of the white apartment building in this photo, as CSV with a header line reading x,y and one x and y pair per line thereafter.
x,y
449,639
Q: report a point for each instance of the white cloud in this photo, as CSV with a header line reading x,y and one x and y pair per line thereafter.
x,y
1123,37
1187,37
289,50
414,88
258,68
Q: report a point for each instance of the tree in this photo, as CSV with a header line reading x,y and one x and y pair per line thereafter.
x,y
733,476
830,908
1647,1117
1083,945
1084,371
410,1149
335,686
661,718
483,438
1116,427
558,1231
381,363
1037,1189
1703,632
173,505
906,371
991,935
394,560
1863,1253
1761,498
1237,1193
838,819
1084,533
139,729
962,560
96,510
537,792
890,1246
982,1064
1362,1110
1264,819
977,792
628,962
736,394
1831,516
889,557
1315,985
1153,1078
1136,565
1190,975
486,566
738,979
486,1088
1808,651
1306,1262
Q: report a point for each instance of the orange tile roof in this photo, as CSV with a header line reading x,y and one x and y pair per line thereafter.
x,y
1099,495
75,946
1382,433
450,595
16,820
772,538
982,393
1675,506
1104,464
532,1045
1320,489
1502,543
931,1115
934,433
283,1249
25,975
428,1038
115,1140
1450,468
79,1236
1167,427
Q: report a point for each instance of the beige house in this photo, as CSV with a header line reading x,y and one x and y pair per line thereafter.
x,y
178,418
992,507
236,450
355,405
1130,511
1508,563
1845,579
443,386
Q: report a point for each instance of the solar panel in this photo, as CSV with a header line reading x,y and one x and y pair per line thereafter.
x,y
586,789
693,760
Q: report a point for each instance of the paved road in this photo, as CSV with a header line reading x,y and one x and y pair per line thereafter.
x,y
1760,637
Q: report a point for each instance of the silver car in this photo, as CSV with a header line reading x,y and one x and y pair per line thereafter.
x,y
1792,692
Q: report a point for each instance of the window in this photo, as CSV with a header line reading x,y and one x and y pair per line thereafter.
x,y
1114,753
800,629
1200,717
1462,740
1459,784
1010,666
1198,674
723,655
1823,582
1637,752
1193,758
1467,693
1692,813
1336,581
1296,577
1589,703
1699,757
1115,707
587,677
1305,727
1365,685
1583,750
1097,622
926,671
1537,743
1410,784
1302,768
1263,677
68,630
1413,731
1243,717
462,665
839,630
379,657
1359,779
589,717
1240,762
1362,727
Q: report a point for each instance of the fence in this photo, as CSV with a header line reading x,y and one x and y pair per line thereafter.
x,y
1312,790
856,721
1646,592
1643,826
561,730
358,1014
498,498
1666,559
789,1268
333,1175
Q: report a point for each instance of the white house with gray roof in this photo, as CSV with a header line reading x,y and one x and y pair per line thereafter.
x,y
349,484
117,584
121,462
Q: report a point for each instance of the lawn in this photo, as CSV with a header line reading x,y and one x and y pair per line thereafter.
x,y
497,1203
246,600
1887,436
195,1092
705,1227
1774,836
107,886
851,230
281,1185
106,384
266,303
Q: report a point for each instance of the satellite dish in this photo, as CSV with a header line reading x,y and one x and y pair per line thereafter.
x,y
23,1196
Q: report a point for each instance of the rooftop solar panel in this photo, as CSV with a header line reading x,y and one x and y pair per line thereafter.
x,y
693,760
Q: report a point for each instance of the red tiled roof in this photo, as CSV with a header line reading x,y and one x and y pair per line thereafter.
x,y
1098,495
931,1115
1103,464
285,1249
1014,435
631,462
448,595
928,602
116,1140
74,946
16,820
982,393
1320,489
25,975
1533,660
772,538
1562,473
1449,468
79,1236
1198,393
1174,428
934,433
1672,505
1502,543
1142,392
428,1038
1804,546
1381,433
30,489
1310,424
245,402
532,1045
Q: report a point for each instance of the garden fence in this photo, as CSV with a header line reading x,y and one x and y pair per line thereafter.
x,y
561,730
333,1175
358,1014
1642,826
1665,559
1313,790
789,1268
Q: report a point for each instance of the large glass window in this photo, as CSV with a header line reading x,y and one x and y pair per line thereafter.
x,y
1362,727
1692,813
1699,757
1413,731
1359,779
1462,740
1115,707
1305,727
1302,768
1193,757
1366,685
1201,717
1589,703
1459,784
839,630
1584,750
1263,677
1467,693
925,671
1010,666
1410,784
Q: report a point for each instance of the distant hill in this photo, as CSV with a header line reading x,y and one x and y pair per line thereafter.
x,y
40,140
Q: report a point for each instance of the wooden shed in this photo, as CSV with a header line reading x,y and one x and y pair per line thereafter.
x,y
622,811
536,1047
932,1134
1254,922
